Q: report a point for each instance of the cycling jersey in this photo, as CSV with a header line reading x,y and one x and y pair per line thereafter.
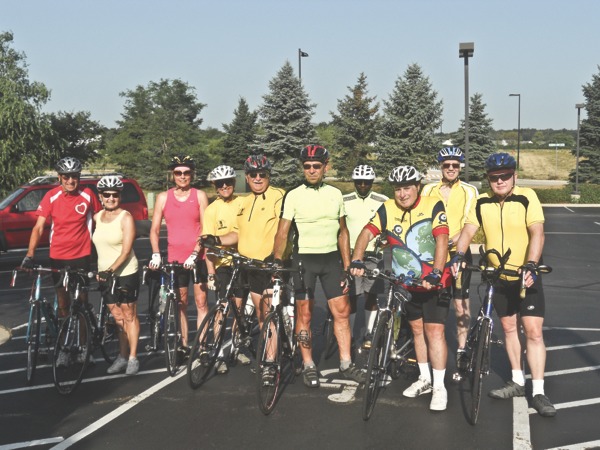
x,y
71,214
411,235
505,225
219,219
316,213
183,224
358,213
257,222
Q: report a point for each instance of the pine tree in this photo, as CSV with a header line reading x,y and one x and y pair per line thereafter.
x,y
240,135
355,127
285,120
481,142
589,134
410,118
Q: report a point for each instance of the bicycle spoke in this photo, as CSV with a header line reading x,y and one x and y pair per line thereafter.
x,y
71,353
269,363
109,336
33,341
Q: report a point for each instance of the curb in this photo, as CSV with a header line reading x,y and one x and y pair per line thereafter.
x,y
5,334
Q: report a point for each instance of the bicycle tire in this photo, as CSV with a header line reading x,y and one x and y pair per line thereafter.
x,y
330,340
378,363
74,342
172,334
207,346
33,341
478,366
109,336
269,338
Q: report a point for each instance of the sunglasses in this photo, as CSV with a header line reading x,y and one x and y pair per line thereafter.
x,y
258,174
221,183
363,182
111,194
450,165
502,176
70,176
185,173
316,166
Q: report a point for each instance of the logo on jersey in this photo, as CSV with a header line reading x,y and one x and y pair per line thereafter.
x,y
530,308
443,218
81,208
398,230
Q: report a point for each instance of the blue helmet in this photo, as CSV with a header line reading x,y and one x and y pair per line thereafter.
x,y
500,161
454,153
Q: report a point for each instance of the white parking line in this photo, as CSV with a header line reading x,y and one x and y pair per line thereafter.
x,y
564,347
570,371
521,430
580,446
32,443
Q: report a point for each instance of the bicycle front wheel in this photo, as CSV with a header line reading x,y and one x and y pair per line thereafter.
x,y
207,346
172,334
269,362
33,341
479,357
109,336
71,353
405,359
378,363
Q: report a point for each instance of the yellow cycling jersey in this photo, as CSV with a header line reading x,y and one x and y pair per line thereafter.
x,y
461,199
257,222
219,219
505,225
358,213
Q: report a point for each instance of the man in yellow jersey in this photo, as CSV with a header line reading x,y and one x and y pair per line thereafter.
x,y
219,219
458,197
316,211
512,217
360,206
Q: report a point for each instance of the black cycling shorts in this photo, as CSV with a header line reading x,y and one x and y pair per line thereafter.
x,y
126,290
327,267
183,275
83,263
431,306
507,300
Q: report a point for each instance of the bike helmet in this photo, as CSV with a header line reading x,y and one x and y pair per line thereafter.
x,y
405,175
363,172
68,165
454,153
110,183
500,161
314,153
182,161
257,162
221,173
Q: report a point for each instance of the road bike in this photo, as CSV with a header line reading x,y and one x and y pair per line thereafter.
x,y
82,332
392,347
225,322
40,310
480,333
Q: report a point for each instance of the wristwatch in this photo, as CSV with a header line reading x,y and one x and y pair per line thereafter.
x,y
437,272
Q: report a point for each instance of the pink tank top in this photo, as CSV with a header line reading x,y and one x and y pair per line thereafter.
x,y
184,225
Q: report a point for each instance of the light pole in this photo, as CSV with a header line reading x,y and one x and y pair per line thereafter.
x,y
465,50
518,128
301,55
579,106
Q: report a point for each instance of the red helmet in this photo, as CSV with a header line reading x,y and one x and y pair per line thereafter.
x,y
314,153
257,162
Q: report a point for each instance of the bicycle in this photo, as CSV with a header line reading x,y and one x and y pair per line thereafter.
x,y
81,333
392,347
39,309
277,353
480,333
225,315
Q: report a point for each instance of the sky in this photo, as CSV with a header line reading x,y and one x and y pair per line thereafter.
x,y
88,52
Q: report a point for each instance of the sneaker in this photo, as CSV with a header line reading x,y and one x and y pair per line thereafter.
x,y
509,390
133,366
543,406
118,365
462,360
243,359
419,387
310,377
221,367
354,373
63,359
439,399
268,375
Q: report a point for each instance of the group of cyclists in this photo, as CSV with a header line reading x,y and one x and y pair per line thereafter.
x,y
335,237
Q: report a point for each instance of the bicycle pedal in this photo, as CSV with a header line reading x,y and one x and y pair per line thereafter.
x,y
497,341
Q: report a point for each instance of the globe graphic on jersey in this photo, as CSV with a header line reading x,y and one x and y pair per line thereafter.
x,y
421,241
403,261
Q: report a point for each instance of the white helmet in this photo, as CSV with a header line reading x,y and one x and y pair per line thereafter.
x,y
68,165
221,173
363,172
110,183
405,175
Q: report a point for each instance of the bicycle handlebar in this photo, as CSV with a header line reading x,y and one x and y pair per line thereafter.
x,y
404,279
36,268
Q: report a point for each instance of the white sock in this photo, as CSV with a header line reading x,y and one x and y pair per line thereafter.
x,y
518,377
424,371
370,317
538,387
438,378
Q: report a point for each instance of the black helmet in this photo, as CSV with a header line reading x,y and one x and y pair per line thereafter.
x,y
314,153
500,161
257,162
182,160
68,165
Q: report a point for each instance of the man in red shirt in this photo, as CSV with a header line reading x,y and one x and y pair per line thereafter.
x,y
70,208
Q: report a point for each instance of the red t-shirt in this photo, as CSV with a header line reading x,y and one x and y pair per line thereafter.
x,y
71,231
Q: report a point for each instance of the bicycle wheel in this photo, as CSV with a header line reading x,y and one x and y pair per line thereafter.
x,y
154,315
377,366
109,336
207,346
269,358
330,340
405,359
172,334
478,366
71,352
33,341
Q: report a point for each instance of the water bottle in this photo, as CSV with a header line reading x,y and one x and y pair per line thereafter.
x,y
162,298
